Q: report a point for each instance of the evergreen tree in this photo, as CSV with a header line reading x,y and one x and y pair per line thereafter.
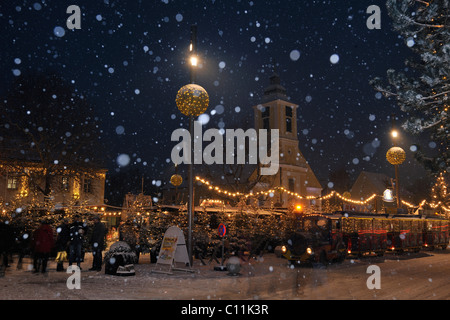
x,y
423,90
439,195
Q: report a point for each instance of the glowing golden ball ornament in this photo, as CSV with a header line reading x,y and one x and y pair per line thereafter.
x,y
192,100
395,155
176,180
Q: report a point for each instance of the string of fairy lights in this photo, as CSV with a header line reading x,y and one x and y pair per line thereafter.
x,y
271,192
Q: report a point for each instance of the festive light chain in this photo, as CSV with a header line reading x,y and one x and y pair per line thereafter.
x,y
207,202
431,204
282,189
295,194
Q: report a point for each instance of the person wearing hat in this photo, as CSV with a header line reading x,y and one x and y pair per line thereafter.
x,y
97,243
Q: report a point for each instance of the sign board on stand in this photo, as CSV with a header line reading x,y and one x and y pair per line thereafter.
x,y
173,250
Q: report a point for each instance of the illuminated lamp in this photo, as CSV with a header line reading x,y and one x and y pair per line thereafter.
x,y
388,195
394,133
194,61
298,208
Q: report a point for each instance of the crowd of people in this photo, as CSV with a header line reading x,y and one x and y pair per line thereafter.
x,y
67,242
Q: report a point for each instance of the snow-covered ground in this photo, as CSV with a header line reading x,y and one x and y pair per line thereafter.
x,y
423,275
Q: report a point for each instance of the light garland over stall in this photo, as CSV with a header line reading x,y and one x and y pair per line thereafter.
x,y
298,196
282,189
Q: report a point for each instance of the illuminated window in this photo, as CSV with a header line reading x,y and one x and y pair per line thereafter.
x,y
65,184
12,183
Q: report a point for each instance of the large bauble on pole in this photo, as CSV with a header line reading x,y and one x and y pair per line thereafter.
x,y
395,156
176,180
192,100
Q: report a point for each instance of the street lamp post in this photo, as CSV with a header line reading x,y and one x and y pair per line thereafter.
x,y
396,156
191,209
192,100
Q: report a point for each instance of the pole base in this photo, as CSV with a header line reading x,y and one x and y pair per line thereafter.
x,y
220,268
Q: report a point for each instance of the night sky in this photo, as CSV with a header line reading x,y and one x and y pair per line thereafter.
x,y
129,60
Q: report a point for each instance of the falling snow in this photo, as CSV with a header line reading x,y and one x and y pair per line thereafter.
x,y
128,62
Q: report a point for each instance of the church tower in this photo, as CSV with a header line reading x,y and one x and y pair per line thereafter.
x,y
276,112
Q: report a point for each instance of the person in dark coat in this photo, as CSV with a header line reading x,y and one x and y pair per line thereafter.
x,y
62,241
43,243
23,237
97,243
6,243
76,233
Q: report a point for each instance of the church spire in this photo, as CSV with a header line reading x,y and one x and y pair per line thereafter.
x,y
275,90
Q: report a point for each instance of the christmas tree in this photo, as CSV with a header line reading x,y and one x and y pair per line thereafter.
x,y
423,90
440,198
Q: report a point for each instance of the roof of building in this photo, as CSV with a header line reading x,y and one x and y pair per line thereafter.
x,y
379,181
313,182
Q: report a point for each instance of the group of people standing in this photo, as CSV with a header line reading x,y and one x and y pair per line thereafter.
x,y
69,242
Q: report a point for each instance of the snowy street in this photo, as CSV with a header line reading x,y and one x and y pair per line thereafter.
x,y
421,276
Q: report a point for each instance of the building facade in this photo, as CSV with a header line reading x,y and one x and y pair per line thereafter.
x,y
27,184
295,175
